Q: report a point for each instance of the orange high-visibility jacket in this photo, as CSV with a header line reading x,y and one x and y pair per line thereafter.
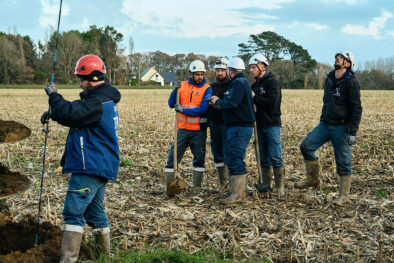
x,y
191,97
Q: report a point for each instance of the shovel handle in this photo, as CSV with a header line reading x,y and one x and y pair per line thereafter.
x,y
176,135
256,139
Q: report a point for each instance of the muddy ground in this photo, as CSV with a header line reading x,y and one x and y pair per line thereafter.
x,y
11,182
17,241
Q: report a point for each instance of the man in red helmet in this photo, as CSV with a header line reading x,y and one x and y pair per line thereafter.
x,y
91,153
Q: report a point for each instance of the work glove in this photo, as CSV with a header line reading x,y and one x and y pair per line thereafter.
x,y
50,88
45,117
177,85
351,139
178,108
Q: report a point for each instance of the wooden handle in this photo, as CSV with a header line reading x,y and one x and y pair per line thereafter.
x,y
176,134
256,139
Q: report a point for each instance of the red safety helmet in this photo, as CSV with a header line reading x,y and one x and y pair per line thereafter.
x,y
88,64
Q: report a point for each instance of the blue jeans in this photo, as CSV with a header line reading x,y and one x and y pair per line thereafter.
x,y
270,146
84,201
237,141
338,135
218,142
197,142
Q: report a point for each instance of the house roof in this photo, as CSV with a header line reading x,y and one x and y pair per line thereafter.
x,y
169,77
145,71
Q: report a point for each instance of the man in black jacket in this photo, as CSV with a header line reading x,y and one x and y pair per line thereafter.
x,y
267,98
217,128
339,121
91,154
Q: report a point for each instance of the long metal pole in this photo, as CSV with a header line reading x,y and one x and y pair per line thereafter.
x,y
46,130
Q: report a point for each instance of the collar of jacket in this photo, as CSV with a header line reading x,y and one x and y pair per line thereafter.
x,y
239,75
86,92
346,75
191,82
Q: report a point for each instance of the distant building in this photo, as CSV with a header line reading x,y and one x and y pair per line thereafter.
x,y
151,74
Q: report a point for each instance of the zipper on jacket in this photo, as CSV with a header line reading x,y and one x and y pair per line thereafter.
x,y
191,95
83,153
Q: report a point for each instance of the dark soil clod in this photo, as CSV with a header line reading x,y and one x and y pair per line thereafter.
x,y
11,131
12,182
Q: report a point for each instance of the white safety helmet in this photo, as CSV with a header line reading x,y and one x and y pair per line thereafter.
x,y
236,63
197,66
258,58
348,56
221,63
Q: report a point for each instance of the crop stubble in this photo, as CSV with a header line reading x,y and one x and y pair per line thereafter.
x,y
300,225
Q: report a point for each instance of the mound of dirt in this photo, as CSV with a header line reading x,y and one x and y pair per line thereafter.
x,y
12,182
11,131
17,241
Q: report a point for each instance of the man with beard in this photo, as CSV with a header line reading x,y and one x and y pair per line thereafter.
x,y
91,154
239,117
339,121
217,128
192,122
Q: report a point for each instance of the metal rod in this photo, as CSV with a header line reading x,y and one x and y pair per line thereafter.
x,y
46,130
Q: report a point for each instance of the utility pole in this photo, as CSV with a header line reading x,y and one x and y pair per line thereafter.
x,y
139,70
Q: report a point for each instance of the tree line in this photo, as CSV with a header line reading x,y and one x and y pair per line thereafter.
x,y
24,62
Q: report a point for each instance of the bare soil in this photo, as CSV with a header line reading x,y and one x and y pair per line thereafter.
x,y
11,131
17,241
11,182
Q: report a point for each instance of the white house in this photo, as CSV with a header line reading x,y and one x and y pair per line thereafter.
x,y
151,74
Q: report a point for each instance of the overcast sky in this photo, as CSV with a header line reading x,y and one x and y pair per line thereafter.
x,y
216,27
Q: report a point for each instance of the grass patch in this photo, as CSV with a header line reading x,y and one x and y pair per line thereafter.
x,y
382,194
159,254
125,163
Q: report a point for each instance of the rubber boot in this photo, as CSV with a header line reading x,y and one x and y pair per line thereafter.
x,y
312,173
197,179
222,178
279,174
227,191
267,177
344,189
71,243
102,241
238,183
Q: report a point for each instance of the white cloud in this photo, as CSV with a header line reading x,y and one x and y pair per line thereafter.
x,y
85,23
294,24
203,18
317,26
50,12
349,2
373,29
390,33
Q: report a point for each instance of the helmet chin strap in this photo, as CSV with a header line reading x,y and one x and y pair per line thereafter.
x,y
260,71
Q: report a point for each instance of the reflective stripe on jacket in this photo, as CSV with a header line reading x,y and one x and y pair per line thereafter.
x,y
191,97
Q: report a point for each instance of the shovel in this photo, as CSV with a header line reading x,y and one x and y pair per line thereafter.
x,y
259,185
176,186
